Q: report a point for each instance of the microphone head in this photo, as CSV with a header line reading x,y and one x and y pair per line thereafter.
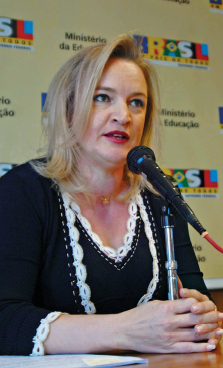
x,y
135,154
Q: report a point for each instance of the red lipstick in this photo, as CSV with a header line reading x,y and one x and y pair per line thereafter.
x,y
117,136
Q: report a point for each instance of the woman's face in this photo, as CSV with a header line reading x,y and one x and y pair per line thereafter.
x,y
118,115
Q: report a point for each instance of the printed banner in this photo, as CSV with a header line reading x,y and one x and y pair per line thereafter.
x,y
185,34
195,182
174,52
15,33
179,118
216,6
221,119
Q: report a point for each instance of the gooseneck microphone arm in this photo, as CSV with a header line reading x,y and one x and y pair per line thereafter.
x,y
141,160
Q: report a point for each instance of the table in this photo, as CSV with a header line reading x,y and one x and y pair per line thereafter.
x,y
194,360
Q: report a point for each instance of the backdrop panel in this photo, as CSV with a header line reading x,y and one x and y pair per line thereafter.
x,y
183,38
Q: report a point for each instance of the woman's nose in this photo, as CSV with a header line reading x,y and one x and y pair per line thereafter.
x,y
120,113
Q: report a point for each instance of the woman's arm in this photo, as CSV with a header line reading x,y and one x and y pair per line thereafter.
x,y
154,327
21,245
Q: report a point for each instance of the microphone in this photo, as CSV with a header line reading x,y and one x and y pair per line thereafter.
x,y
141,160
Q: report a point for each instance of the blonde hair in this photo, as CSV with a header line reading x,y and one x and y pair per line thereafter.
x,y
67,110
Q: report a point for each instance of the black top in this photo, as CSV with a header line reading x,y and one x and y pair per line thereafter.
x,y
37,275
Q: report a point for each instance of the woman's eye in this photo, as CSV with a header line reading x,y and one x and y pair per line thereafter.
x,y
102,98
137,102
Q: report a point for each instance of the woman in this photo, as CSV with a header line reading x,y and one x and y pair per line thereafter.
x,y
66,250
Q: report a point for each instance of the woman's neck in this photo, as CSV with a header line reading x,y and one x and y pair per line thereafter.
x,y
105,183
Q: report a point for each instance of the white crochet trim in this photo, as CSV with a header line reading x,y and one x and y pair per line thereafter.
x,y
42,333
153,283
81,273
72,210
121,252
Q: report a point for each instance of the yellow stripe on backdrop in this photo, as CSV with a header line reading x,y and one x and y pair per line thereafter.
x,y
36,37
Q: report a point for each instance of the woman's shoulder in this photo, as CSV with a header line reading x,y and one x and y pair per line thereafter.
x,y
24,179
25,172
24,189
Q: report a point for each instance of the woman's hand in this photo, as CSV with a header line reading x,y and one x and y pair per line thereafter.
x,y
208,331
154,327
168,326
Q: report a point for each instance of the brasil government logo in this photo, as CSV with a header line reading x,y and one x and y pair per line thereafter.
x,y
220,109
44,114
17,34
195,183
174,52
216,6
43,99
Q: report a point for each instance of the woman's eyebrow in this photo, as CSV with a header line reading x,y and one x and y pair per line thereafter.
x,y
109,89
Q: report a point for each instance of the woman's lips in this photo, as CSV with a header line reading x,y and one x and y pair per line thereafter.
x,y
117,136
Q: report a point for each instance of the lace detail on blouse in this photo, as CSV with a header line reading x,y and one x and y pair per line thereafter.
x,y
148,230
42,333
72,211
121,252
77,251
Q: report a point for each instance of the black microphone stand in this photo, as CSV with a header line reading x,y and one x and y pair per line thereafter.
x,y
167,222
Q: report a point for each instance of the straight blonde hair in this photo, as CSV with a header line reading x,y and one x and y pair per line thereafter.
x,y
66,113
